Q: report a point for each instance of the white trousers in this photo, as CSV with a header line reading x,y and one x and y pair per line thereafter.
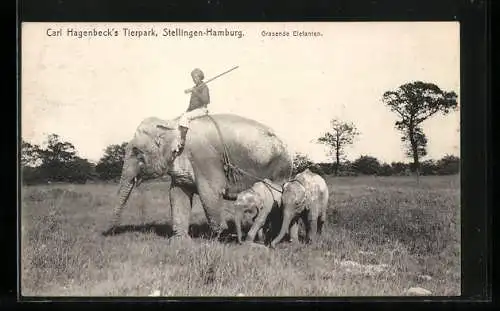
x,y
186,117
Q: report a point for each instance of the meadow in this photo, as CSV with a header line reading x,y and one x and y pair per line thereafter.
x,y
383,235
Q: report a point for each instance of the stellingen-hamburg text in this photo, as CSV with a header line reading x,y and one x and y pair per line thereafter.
x,y
208,32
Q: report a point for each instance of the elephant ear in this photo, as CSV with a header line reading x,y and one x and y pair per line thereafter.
x,y
165,125
138,153
135,151
252,211
256,206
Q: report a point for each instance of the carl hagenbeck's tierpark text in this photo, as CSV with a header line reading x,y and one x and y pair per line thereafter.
x,y
151,32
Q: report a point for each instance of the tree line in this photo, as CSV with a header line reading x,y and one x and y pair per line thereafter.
x,y
413,103
368,165
59,162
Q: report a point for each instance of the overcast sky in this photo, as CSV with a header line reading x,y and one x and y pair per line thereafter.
x,y
94,92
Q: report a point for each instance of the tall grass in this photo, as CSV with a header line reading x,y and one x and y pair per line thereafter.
x,y
383,235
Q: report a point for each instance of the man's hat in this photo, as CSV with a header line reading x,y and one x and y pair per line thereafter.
x,y
198,72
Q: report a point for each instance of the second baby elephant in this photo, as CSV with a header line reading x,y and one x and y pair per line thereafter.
x,y
306,197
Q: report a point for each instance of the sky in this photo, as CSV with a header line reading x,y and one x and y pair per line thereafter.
x,y
94,91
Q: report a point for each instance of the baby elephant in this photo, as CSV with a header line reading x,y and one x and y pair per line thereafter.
x,y
253,207
306,197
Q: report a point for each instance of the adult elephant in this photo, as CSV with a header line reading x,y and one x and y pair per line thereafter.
x,y
217,147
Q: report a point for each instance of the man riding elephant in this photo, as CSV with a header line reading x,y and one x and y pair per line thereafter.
x,y
200,98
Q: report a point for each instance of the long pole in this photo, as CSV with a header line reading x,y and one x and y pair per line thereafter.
x,y
211,79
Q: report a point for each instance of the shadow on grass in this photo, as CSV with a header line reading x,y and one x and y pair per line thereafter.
x,y
165,230
161,229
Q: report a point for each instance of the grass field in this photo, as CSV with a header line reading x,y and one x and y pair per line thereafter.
x,y
383,236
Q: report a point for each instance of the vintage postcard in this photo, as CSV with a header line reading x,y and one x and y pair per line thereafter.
x,y
240,159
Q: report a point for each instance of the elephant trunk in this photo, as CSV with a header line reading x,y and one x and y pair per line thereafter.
x,y
287,219
127,182
124,193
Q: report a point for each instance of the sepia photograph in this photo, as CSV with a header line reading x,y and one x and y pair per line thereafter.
x,y
240,159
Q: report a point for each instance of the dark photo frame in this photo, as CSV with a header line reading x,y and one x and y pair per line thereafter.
x,y
475,111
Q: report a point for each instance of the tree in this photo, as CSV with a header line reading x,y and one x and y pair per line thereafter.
x,y
30,162
414,103
420,141
110,165
57,162
30,154
57,151
366,165
341,135
56,159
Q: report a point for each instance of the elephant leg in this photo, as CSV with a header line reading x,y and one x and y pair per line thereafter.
x,y
260,235
287,218
294,232
237,224
321,223
238,232
258,224
312,220
211,182
180,204
213,204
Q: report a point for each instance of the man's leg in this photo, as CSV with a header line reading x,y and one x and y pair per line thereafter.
x,y
184,125
183,128
182,141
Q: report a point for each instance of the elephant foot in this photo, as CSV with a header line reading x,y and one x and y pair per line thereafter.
x,y
217,230
254,245
180,238
310,240
220,236
112,230
272,245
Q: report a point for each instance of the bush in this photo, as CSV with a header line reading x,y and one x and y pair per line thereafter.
x,y
366,165
30,175
400,168
448,165
385,170
428,167
300,163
